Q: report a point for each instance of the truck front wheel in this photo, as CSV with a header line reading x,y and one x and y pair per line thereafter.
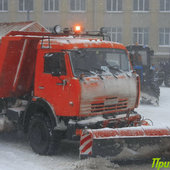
x,y
43,139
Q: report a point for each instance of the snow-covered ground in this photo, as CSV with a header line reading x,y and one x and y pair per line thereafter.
x,y
16,154
160,115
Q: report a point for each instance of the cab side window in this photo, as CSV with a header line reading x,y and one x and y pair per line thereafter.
x,y
54,63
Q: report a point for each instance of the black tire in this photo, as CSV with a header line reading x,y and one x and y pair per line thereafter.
x,y
156,89
43,139
167,80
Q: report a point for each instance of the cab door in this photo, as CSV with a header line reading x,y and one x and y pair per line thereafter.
x,y
53,81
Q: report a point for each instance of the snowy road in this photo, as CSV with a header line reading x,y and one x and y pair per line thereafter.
x,y
16,154
160,115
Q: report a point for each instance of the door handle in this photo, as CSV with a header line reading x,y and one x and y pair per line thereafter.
x,y
64,83
60,84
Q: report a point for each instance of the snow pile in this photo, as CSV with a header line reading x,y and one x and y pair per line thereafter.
x,y
95,164
160,115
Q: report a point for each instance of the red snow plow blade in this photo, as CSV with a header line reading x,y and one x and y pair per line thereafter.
x,y
125,143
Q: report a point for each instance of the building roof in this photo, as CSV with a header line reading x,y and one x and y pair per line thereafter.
x,y
29,26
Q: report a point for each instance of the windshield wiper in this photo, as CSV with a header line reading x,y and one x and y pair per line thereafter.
x,y
98,69
84,70
114,68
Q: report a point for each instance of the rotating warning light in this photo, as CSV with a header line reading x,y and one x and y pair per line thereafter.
x,y
77,29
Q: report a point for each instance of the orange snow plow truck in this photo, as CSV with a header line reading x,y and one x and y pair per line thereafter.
x,y
67,85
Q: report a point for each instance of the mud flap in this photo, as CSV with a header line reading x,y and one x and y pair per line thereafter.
x,y
125,143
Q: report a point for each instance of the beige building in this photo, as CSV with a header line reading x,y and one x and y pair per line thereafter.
x,y
128,21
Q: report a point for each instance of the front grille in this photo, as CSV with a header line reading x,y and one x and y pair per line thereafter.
x,y
104,106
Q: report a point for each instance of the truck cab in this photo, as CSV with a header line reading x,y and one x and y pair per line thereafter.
x,y
82,77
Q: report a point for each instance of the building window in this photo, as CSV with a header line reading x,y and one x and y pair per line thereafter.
x,y
164,5
77,5
164,36
114,5
140,36
115,33
3,5
26,5
141,5
51,5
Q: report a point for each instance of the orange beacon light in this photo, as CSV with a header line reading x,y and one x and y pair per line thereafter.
x,y
77,29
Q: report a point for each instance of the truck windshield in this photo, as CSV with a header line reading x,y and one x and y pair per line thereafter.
x,y
139,57
99,61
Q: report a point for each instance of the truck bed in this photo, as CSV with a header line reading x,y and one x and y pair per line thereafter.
x,y
17,63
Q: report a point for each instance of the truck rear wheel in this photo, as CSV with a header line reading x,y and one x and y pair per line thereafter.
x,y
43,139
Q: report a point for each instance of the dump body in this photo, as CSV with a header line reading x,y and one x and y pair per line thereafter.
x,y
17,65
